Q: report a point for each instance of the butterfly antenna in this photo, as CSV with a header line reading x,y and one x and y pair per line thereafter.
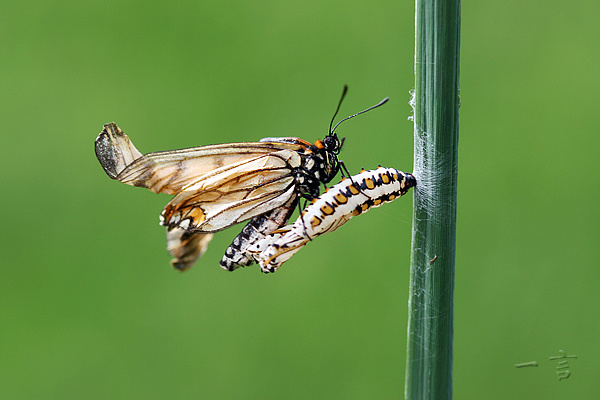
x,y
338,108
382,102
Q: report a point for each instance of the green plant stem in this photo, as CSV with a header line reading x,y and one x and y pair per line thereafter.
x,y
436,102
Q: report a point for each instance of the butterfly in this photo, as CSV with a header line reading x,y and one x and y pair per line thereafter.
x,y
217,186
352,196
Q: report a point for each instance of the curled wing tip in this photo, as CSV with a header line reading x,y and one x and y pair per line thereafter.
x,y
114,150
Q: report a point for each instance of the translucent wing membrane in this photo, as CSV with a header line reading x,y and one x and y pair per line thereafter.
x,y
232,194
170,171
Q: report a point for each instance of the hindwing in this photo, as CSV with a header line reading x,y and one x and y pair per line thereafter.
x,y
185,247
226,196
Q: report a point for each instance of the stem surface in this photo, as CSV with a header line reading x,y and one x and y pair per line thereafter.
x,y
436,102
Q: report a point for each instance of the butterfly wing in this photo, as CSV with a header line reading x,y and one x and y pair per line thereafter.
x,y
185,247
171,171
232,194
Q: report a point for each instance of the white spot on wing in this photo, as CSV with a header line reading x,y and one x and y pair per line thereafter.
x,y
185,224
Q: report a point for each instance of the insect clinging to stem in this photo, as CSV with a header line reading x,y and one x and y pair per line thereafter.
x,y
217,186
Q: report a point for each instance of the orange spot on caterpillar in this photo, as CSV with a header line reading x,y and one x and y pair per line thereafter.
x,y
341,199
327,209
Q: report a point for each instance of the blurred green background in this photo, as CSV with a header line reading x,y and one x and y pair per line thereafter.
x,y
89,305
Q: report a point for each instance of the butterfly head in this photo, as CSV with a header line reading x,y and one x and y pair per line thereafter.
x,y
330,144
333,144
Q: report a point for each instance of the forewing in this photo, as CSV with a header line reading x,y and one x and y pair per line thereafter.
x,y
170,171
225,197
